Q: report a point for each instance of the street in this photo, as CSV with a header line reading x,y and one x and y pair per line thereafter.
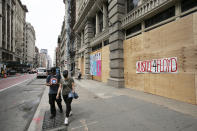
x,y
11,81
99,108
19,98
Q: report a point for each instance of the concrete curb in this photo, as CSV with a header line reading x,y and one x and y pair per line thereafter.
x,y
37,120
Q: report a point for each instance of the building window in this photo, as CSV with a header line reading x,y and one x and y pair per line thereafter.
x,y
188,4
96,47
131,4
106,42
83,37
100,21
160,17
94,26
133,29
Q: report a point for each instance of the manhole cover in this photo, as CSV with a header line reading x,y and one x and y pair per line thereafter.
x,y
50,124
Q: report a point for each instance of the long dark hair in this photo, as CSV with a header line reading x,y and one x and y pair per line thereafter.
x,y
65,73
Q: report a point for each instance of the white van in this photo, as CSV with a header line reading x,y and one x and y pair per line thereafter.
x,y
41,72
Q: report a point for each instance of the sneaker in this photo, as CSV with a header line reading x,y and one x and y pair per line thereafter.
x,y
52,116
71,113
66,121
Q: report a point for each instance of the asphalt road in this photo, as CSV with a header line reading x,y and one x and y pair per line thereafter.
x,y
19,102
12,81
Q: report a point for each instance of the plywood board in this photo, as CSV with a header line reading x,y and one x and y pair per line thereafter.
x,y
175,39
195,43
98,78
105,63
81,65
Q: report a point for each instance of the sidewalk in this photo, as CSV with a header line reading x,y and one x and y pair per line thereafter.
x,y
104,108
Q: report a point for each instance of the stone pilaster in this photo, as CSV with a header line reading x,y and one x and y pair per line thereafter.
x,y
5,25
14,27
1,55
116,11
178,9
105,17
82,38
88,32
1,26
77,43
97,23
88,36
10,28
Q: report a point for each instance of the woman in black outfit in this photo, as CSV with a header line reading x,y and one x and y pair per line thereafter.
x,y
66,85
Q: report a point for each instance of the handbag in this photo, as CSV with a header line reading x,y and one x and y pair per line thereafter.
x,y
73,95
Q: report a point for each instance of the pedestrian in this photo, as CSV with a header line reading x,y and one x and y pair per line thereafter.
x,y
66,85
53,81
79,74
2,72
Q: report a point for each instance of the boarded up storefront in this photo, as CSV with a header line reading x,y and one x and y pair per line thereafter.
x,y
99,64
105,63
81,65
175,41
95,65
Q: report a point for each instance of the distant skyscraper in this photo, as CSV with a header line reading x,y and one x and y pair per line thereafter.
x,y
45,51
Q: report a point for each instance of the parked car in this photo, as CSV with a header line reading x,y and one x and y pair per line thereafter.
x,y
32,71
12,72
41,72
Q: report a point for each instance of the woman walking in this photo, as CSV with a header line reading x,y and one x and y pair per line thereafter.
x,y
66,85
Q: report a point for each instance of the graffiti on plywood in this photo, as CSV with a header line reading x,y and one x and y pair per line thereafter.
x,y
164,65
95,64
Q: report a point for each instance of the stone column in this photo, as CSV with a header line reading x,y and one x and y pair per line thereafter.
x,y
1,26
77,46
178,9
196,85
14,27
10,28
1,59
5,24
105,17
143,26
97,23
88,36
82,37
116,11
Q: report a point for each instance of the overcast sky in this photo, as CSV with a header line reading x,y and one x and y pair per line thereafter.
x,y
46,16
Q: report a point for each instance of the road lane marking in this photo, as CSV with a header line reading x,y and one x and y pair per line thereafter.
x,y
83,122
13,85
85,126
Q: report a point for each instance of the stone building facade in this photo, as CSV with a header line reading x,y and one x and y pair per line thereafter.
x,y
7,43
43,58
67,37
12,30
98,25
147,45
62,47
29,49
29,53
57,57
37,58
58,53
20,38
